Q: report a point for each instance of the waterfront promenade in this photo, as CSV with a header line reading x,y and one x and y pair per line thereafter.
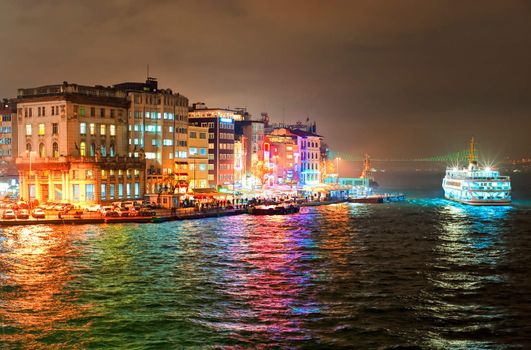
x,y
161,215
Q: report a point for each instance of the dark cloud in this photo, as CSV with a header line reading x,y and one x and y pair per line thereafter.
x,y
393,78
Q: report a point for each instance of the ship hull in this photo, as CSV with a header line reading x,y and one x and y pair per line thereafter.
x,y
479,203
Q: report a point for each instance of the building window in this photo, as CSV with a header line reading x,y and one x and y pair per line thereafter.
x,y
103,151
92,111
41,129
55,150
193,135
128,190
83,128
75,192
89,192
202,135
103,129
82,111
92,149
111,191
103,192
112,113
120,191
28,129
137,189
112,130
28,147
82,149
42,151
89,174
55,128
102,112
111,150
92,128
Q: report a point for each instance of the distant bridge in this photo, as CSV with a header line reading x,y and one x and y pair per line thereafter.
x,y
456,157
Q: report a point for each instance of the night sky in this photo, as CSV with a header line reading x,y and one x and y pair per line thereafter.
x,y
393,78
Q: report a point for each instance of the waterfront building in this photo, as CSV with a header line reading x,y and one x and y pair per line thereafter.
x,y
220,124
252,136
8,147
8,128
158,128
72,145
198,157
240,152
283,157
309,145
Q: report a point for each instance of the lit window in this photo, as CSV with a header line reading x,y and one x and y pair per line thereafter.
x,y
103,129
55,150
92,127
82,128
28,129
193,151
82,149
112,130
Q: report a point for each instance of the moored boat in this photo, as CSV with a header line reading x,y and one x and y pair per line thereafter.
x,y
379,198
274,209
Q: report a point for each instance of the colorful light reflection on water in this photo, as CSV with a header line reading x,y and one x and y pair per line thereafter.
x,y
427,272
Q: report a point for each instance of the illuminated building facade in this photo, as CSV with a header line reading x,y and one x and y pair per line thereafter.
x,y
8,128
220,124
251,133
158,128
198,157
282,150
309,145
240,168
8,144
72,145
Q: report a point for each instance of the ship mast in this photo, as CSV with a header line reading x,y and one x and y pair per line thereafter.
x,y
472,156
366,172
472,163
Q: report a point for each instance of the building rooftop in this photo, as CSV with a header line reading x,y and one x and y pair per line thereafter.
x,y
303,133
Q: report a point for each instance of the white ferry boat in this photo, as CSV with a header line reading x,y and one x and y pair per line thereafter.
x,y
476,186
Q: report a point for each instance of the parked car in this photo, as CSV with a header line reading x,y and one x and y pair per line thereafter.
x,y
23,214
93,208
147,212
127,204
38,213
121,212
108,211
9,214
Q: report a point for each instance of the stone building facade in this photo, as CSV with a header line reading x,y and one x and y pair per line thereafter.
x,y
73,145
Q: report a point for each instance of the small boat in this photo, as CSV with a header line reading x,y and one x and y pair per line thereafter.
x,y
274,209
369,199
